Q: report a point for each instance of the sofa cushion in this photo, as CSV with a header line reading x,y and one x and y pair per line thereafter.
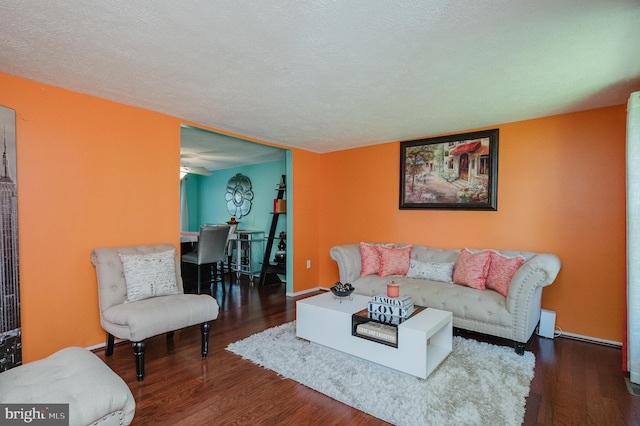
x,y
370,258
394,260
432,254
472,268
501,271
433,271
149,275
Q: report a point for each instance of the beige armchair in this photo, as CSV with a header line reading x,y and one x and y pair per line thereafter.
x,y
140,295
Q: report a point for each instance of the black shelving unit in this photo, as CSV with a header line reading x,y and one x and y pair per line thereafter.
x,y
270,271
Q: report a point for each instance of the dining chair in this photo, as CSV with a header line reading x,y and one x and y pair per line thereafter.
x,y
141,295
229,251
231,242
230,245
211,253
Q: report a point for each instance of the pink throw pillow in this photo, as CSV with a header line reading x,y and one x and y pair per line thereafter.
x,y
501,271
472,269
370,258
394,260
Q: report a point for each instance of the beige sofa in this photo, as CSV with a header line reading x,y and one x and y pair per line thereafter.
x,y
512,317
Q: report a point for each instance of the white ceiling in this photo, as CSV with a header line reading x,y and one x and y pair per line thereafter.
x,y
327,75
214,151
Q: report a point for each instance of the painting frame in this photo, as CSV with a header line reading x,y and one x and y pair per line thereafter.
x,y
453,172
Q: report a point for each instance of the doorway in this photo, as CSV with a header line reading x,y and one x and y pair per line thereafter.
x,y
216,159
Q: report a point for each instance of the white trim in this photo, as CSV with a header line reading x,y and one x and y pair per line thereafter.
x,y
104,345
590,339
633,236
303,292
100,346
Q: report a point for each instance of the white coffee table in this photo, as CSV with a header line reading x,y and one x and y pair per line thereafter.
x,y
424,340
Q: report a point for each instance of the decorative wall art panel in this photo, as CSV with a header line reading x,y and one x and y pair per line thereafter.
x,y
10,331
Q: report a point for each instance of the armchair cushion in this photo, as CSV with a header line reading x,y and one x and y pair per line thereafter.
x,y
149,275
149,317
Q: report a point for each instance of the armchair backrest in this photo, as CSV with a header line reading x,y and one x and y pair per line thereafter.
x,y
112,287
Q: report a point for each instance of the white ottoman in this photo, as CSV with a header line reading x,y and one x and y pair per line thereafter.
x,y
75,376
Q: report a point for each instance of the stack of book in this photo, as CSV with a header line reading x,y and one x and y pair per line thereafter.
x,y
390,309
380,320
378,331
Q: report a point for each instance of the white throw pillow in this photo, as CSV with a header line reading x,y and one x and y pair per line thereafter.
x,y
149,275
430,271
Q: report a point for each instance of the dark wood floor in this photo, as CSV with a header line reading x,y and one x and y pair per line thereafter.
x,y
575,383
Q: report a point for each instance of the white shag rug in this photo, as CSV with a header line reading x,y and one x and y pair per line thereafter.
x,y
477,384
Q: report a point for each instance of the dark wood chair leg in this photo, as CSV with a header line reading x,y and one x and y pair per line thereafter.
x,y
221,266
205,327
110,340
199,284
230,271
138,351
519,348
169,335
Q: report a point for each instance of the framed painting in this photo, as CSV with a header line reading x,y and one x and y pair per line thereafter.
x,y
455,172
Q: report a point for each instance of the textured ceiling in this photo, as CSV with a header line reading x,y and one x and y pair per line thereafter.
x,y
213,151
326,75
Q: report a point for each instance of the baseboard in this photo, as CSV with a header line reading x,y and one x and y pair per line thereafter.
x,y
104,345
303,292
96,347
590,339
633,388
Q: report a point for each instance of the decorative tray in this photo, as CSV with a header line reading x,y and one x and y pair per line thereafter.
x,y
342,290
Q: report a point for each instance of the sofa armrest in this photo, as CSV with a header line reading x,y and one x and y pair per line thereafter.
x,y
539,271
349,261
525,292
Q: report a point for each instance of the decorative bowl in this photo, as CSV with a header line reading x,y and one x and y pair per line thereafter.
x,y
342,290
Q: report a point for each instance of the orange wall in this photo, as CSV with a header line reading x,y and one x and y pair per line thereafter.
x,y
90,173
97,173
307,177
561,189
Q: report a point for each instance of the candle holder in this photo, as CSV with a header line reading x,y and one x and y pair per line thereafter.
x,y
393,289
